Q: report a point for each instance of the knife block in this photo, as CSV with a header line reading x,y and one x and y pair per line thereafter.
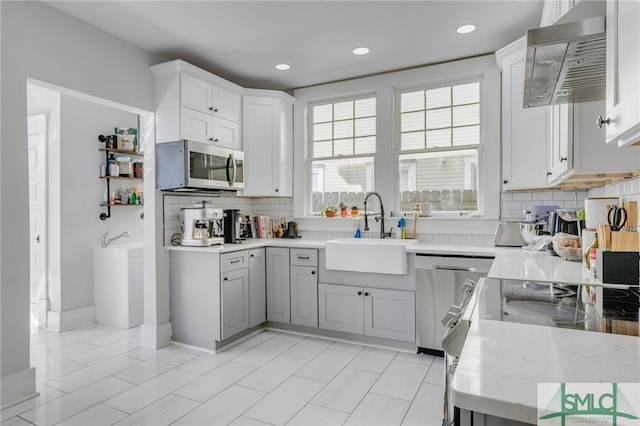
x,y
624,241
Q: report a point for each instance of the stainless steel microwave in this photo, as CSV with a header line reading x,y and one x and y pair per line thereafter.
x,y
187,165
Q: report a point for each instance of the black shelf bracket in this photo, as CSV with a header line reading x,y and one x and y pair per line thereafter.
x,y
107,215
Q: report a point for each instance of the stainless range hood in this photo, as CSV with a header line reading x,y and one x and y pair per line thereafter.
x,y
566,62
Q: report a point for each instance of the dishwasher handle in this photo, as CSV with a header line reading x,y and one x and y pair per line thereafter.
x,y
455,268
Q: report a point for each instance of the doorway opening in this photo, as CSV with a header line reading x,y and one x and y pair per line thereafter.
x,y
65,193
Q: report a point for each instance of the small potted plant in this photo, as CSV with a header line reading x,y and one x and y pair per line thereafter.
x,y
343,210
355,211
329,211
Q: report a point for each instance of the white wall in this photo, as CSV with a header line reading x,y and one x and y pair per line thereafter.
x,y
80,193
41,43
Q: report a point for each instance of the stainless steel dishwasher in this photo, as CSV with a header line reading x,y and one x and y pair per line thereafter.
x,y
439,280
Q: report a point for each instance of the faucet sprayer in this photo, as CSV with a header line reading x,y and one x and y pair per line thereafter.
x,y
379,217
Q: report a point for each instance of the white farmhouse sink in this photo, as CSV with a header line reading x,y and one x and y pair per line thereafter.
x,y
367,255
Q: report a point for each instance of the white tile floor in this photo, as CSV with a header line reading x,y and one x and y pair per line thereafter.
x,y
99,375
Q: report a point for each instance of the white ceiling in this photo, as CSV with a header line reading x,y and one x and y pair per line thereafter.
x,y
243,40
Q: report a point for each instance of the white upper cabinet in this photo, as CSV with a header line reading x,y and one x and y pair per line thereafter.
x,y
196,105
267,128
623,72
204,96
560,143
524,130
557,146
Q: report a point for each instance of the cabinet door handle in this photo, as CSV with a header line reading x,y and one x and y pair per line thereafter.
x,y
213,109
225,279
563,159
366,293
252,255
313,272
359,293
504,182
548,173
600,121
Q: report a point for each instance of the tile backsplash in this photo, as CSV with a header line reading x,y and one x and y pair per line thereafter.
x,y
627,190
511,207
275,207
512,204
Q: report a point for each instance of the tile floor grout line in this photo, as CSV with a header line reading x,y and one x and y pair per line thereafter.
x,y
106,334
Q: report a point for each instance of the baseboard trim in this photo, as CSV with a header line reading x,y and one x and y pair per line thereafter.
x,y
155,336
73,318
17,387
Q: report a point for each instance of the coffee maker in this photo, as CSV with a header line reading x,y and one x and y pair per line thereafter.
x,y
201,227
232,220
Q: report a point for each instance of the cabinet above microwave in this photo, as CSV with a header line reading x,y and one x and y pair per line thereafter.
x,y
193,166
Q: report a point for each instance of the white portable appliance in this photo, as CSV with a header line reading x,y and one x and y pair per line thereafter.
x,y
202,226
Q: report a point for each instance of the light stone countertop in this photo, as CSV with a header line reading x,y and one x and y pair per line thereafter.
x,y
502,363
510,262
254,243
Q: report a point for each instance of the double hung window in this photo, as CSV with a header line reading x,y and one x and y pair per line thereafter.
x,y
343,144
439,135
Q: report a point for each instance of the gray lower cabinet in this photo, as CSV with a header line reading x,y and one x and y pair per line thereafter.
x,y
304,287
383,313
235,302
215,296
341,308
234,289
278,292
257,287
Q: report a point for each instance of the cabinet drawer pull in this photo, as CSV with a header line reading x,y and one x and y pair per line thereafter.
x,y
225,279
366,293
213,109
235,261
359,293
303,257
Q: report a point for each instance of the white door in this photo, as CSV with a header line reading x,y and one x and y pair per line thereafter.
x,y
37,219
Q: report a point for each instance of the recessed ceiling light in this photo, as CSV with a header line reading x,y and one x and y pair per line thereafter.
x,y
283,67
360,50
467,28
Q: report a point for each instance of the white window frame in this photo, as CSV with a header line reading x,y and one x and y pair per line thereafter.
x,y
386,173
370,172
469,180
